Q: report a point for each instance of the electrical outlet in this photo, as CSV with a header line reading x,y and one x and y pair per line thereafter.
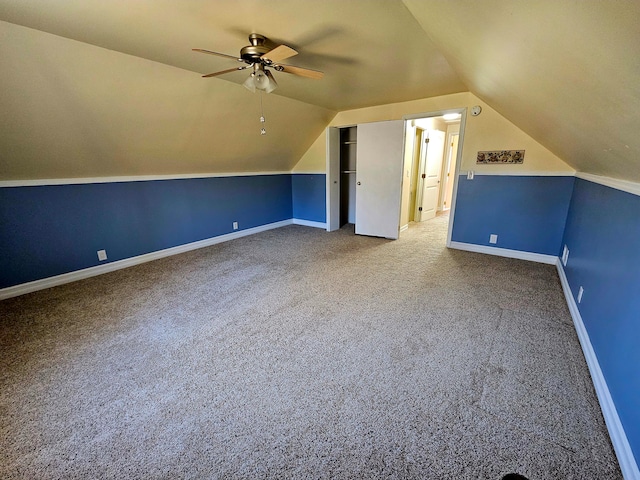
x,y
565,255
493,238
235,225
102,255
580,292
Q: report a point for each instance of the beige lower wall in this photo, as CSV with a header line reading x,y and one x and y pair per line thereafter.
x,y
487,131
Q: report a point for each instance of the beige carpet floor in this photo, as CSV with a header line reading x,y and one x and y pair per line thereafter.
x,y
297,353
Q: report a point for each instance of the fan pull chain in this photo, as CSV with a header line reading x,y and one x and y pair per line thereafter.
x,y
262,130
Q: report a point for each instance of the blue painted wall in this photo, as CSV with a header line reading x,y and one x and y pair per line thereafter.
x,y
309,196
527,213
603,237
50,230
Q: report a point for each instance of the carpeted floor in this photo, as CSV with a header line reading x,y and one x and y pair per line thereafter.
x,y
297,353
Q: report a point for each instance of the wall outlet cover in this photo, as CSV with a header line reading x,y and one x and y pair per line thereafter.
x,y
235,225
493,238
580,292
102,255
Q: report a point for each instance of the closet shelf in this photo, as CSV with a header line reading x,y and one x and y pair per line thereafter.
x,y
350,142
348,171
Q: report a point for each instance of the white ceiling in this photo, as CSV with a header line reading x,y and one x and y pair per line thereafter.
x,y
565,71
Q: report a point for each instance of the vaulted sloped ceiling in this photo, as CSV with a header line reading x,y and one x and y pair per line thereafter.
x,y
69,109
565,71
95,88
372,51
117,90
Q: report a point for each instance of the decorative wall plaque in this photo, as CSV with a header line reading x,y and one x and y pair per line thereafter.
x,y
501,156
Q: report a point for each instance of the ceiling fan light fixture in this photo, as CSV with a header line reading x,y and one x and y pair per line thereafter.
x,y
260,80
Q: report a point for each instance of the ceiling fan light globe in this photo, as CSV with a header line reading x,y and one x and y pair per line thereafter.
x,y
272,84
250,84
260,80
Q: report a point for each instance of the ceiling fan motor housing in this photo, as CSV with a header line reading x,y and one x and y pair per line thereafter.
x,y
252,53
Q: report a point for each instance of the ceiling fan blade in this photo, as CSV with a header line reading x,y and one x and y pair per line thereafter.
x,y
225,71
216,54
302,72
279,53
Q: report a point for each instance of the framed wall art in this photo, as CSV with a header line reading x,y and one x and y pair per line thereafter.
x,y
501,156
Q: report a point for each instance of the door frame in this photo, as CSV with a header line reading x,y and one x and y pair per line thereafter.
x,y
463,121
333,178
422,151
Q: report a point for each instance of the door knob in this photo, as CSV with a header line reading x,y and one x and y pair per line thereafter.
x,y
359,183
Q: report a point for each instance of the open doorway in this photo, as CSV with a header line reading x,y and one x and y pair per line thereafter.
x,y
430,160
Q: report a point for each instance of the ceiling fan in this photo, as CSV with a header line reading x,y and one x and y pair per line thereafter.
x,y
259,57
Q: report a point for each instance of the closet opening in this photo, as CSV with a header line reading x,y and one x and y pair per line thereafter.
x,y
348,149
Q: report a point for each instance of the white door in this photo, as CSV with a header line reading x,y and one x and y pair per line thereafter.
x,y
333,179
446,186
431,170
379,160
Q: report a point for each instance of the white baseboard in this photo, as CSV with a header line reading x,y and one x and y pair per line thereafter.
x,y
404,227
619,440
309,223
128,262
505,252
